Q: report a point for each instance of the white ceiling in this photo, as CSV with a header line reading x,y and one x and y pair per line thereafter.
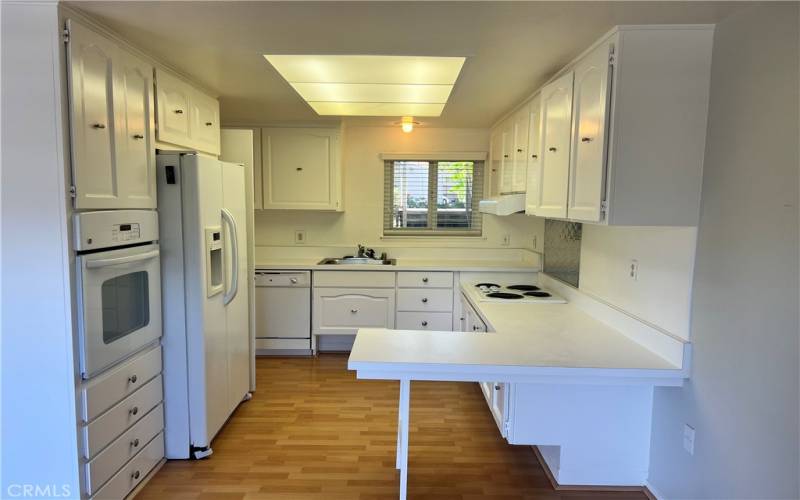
x,y
511,47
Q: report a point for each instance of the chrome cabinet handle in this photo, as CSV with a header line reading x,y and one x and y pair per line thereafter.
x,y
354,311
138,136
132,379
134,410
293,280
98,125
135,443
424,323
178,111
586,139
425,300
552,149
135,475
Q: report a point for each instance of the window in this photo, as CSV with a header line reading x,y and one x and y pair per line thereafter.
x,y
433,198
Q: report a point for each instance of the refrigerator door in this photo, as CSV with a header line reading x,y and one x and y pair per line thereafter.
x,y
237,282
206,330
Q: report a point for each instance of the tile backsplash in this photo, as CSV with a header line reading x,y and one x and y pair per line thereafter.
x,y
562,250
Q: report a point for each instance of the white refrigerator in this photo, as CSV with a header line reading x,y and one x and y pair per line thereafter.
x,y
206,341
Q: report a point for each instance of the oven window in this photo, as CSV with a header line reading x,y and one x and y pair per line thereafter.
x,y
126,305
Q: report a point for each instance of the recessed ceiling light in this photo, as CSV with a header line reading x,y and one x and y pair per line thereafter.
x,y
371,85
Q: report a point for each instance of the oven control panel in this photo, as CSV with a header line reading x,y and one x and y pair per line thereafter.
x,y
114,228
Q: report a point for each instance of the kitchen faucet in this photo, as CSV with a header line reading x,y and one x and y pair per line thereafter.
x,y
365,252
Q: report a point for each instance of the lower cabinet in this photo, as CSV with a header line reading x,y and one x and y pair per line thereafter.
x,y
342,311
413,320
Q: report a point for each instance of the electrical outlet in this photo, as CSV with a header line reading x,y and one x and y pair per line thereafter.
x,y
633,270
300,237
506,240
688,439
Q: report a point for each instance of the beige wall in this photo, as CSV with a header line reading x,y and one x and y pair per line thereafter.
x,y
361,221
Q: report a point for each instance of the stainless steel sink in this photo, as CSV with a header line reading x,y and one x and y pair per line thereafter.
x,y
357,260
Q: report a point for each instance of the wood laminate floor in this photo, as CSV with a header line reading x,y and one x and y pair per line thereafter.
x,y
312,431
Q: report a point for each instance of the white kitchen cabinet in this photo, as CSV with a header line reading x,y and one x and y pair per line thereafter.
x,y
342,311
186,116
635,104
507,156
534,156
556,118
521,130
111,123
495,161
301,168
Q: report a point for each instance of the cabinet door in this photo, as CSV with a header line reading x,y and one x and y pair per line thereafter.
x,y
91,67
134,134
521,130
499,407
554,172
172,96
507,158
589,119
534,155
496,161
300,169
342,311
204,122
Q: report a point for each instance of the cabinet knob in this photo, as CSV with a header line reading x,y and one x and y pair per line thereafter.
x,y
424,280
505,156
136,475
424,323
299,169
135,443
134,410
519,150
425,300
552,149
293,280
474,328
98,125
138,136
353,311
132,379
586,139
497,388
208,124
534,156
178,111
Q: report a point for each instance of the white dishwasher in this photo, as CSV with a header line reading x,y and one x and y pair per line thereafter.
x,y
283,312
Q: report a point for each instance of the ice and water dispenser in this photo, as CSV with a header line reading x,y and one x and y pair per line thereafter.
x,y
215,277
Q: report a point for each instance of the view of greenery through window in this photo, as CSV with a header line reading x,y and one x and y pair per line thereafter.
x,y
450,183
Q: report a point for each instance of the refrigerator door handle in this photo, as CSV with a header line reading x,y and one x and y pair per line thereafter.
x,y
227,217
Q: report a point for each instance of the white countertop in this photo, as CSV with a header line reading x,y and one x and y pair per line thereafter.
x,y
402,264
530,342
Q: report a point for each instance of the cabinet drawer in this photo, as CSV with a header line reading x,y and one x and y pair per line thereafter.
x,y
363,279
109,461
343,311
104,391
420,299
415,279
436,321
115,421
134,471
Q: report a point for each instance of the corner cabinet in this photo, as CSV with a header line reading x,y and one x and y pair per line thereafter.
x,y
623,130
111,123
301,169
186,116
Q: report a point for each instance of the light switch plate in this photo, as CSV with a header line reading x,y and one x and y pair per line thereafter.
x,y
688,439
300,237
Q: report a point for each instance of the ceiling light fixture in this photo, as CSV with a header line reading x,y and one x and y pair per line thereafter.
x,y
341,85
407,124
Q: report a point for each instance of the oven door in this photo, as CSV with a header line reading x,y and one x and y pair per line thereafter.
x,y
120,305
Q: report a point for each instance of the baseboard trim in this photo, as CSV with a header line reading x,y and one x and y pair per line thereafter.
x,y
584,487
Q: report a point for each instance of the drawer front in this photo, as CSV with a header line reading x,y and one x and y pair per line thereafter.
x,y
115,421
414,299
362,279
437,321
106,390
134,471
343,310
111,459
416,279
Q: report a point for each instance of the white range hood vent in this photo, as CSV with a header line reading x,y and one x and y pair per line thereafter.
x,y
505,204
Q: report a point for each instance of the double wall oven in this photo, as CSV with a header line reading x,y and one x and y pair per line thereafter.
x,y
119,285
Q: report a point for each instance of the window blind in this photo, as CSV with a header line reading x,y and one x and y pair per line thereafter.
x,y
434,198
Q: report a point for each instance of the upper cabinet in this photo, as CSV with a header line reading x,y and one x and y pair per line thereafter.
x,y
301,169
621,130
186,116
111,123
